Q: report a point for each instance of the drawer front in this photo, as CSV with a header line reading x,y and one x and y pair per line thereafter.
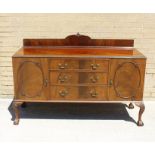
x,y
63,93
57,77
93,93
63,64
78,93
94,65
88,64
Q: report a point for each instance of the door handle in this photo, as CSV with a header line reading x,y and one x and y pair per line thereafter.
x,y
110,82
45,82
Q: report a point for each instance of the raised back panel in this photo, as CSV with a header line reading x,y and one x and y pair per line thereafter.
x,y
79,40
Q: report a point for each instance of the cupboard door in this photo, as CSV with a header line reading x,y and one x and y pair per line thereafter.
x,y
30,78
126,80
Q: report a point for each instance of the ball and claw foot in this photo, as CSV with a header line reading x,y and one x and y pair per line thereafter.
x,y
16,105
140,123
16,122
141,110
131,106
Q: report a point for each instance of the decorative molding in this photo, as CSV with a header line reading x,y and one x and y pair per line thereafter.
x,y
20,79
132,96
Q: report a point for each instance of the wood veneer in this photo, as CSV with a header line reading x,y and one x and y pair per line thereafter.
x,y
78,69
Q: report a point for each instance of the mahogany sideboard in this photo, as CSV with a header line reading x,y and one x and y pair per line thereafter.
x,y
78,69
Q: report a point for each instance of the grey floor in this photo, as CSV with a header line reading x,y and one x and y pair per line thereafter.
x,y
76,123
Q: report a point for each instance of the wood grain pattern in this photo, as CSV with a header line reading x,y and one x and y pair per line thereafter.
x,y
128,79
78,93
78,69
29,78
75,78
79,40
77,64
79,52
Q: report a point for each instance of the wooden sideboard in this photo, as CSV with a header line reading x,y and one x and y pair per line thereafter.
x,y
78,69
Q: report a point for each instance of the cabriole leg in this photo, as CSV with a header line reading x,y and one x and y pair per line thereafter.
x,y
141,110
16,105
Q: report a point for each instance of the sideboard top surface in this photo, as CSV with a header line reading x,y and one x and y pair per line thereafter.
x,y
79,46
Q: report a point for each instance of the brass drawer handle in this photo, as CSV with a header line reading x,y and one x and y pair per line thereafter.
x,y
94,66
94,79
93,94
63,93
63,79
62,66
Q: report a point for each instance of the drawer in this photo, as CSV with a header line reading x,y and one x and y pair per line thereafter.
x,y
88,64
94,64
65,77
63,93
93,92
78,93
62,64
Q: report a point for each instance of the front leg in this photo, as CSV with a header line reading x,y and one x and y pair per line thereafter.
x,y
16,105
141,110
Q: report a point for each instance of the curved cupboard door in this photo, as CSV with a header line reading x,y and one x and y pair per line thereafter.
x,y
126,79
30,78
